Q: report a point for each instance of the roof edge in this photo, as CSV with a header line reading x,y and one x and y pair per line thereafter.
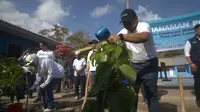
x,y
31,33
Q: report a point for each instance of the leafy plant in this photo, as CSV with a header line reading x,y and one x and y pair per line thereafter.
x,y
57,32
114,66
11,76
78,39
61,51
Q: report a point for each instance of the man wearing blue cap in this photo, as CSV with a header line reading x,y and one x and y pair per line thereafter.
x,y
139,40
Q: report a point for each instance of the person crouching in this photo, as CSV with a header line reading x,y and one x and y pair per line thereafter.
x,y
46,69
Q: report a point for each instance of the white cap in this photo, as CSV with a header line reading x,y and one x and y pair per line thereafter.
x,y
32,58
77,52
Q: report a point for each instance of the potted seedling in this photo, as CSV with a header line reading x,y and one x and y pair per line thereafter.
x,y
111,93
11,80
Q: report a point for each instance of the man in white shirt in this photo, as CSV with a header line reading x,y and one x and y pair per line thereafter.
x,y
192,54
139,40
79,65
48,70
90,69
44,52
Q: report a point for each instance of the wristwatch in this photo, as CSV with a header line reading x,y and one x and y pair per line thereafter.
x,y
121,36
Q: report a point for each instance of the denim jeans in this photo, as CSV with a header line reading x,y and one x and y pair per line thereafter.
x,y
39,95
58,84
197,85
147,76
143,93
64,82
92,77
48,96
81,80
31,80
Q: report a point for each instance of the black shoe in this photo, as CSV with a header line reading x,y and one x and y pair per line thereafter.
x,y
57,91
198,103
37,100
30,96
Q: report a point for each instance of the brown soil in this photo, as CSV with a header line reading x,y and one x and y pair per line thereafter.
x,y
169,102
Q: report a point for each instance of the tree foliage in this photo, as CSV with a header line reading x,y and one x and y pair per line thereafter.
x,y
57,33
79,39
114,66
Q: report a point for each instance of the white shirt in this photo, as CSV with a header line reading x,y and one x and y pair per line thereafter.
x,y
141,52
46,54
48,69
92,68
78,64
187,48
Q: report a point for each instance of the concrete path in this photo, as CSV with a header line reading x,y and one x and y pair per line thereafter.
x,y
170,101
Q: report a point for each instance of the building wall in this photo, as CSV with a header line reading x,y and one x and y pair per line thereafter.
x,y
177,66
176,60
3,45
174,71
6,39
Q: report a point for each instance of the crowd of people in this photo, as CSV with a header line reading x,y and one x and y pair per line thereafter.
x,y
54,73
138,39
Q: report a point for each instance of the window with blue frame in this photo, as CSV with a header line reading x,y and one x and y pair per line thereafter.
x,y
181,68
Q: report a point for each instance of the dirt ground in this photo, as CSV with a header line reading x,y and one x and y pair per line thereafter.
x,y
169,102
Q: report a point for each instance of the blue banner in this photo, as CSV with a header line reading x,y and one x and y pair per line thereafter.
x,y
172,33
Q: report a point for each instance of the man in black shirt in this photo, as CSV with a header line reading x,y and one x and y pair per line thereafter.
x,y
192,54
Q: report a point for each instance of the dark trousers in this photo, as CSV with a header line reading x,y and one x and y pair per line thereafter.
x,y
147,76
79,80
92,77
30,79
48,96
58,84
197,85
143,93
39,95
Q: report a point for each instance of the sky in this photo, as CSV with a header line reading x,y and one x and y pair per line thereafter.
x,y
88,15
